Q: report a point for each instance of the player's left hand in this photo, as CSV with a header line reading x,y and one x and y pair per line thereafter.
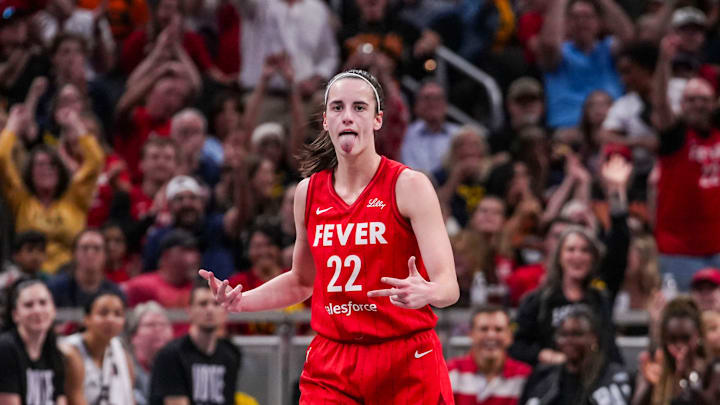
x,y
412,293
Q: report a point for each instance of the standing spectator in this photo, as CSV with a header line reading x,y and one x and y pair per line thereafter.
x,y
149,330
688,191
199,368
28,255
525,107
33,368
108,368
705,289
189,129
487,375
170,285
20,61
594,111
427,139
299,29
86,276
159,161
582,63
187,201
589,374
628,121
46,198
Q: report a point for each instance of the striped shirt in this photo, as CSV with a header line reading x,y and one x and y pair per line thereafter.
x,y
472,388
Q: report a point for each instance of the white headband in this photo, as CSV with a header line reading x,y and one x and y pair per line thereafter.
x,y
356,76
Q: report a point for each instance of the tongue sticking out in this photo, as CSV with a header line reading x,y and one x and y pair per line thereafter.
x,y
347,142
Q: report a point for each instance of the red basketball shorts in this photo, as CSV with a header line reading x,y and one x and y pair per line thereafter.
x,y
409,370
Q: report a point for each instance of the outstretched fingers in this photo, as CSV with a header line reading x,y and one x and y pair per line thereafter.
x,y
213,282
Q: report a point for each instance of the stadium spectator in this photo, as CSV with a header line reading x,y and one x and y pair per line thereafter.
x,y
711,327
120,264
107,366
124,16
200,154
427,139
45,197
686,220
170,285
525,106
28,255
187,201
589,373
705,289
85,277
642,277
582,62
159,161
677,373
149,330
199,367
594,111
487,375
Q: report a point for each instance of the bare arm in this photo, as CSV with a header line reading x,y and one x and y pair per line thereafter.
x,y
659,22
617,22
9,399
418,202
552,35
663,117
176,401
74,375
286,289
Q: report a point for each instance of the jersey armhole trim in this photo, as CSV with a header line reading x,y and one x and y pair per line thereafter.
x,y
308,198
395,209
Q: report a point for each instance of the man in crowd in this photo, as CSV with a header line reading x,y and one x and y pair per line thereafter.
x,y
199,368
487,375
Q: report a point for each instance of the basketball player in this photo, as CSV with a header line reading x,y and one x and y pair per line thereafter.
x,y
373,252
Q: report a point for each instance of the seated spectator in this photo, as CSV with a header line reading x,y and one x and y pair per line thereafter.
x,y
711,327
145,110
46,197
594,111
85,277
575,265
20,60
487,375
149,330
107,366
677,373
461,180
705,289
589,373
686,217
121,264
159,161
165,34
580,63
226,115
642,277
525,107
34,369
199,367
28,255
64,17
482,254
171,283
189,130
428,138
187,201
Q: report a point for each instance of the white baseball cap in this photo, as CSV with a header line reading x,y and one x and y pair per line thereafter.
x,y
181,184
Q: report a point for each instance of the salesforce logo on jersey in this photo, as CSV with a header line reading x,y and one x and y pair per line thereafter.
x,y
349,308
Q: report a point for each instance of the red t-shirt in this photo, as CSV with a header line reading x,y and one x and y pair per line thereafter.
x,y
134,50
151,286
688,218
129,144
524,280
140,203
528,27
471,388
100,206
353,246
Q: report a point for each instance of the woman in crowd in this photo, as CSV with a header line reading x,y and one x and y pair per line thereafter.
x,y
595,109
588,376
33,367
678,373
642,277
108,369
46,197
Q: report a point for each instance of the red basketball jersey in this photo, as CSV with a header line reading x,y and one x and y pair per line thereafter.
x,y
688,218
353,246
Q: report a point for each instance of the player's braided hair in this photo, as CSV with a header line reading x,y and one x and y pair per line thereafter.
x,y
320,153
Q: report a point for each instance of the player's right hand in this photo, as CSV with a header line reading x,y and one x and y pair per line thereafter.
x,y
228,299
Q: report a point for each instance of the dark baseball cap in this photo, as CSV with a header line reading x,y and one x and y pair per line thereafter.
x,y
177,237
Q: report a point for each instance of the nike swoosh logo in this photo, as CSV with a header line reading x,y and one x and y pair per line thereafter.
x,y
418,355
319,211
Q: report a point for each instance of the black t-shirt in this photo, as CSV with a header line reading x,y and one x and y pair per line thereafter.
x,y
181,369
38,382
570,386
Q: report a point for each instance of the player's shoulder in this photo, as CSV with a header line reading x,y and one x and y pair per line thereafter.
x,y
413,180
301,191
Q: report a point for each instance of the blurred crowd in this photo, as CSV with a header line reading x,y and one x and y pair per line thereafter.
x,y
144,139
